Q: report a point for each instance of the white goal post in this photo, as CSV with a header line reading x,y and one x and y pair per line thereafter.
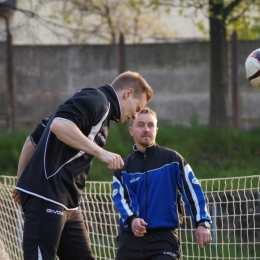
x,y
234,204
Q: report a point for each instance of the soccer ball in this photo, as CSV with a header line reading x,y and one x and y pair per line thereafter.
x,y
252,66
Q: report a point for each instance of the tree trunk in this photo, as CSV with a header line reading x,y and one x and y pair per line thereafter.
x,y
218,66
121,54
10,109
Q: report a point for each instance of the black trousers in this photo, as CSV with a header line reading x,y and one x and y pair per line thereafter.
x,y
162,244
49,230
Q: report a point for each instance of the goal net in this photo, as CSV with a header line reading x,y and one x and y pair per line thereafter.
x,y
234,205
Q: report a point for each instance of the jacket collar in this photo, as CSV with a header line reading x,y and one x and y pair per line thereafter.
x,y
148,151
112,97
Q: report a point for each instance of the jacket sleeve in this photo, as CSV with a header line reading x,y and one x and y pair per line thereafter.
x,y
37,134
124,199
192,194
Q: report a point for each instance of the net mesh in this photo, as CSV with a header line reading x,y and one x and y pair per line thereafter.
x,y
233,204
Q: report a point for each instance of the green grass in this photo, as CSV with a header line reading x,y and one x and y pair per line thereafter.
x,y
10,149
216,153
227,246
212,153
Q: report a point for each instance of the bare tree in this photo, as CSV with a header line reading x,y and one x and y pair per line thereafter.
x,y
5,9
103,21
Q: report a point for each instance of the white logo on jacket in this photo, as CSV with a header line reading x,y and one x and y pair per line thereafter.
x,y
135,179
101,137
195,181
115,192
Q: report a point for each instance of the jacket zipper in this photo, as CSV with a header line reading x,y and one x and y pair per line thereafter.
x,y
146,184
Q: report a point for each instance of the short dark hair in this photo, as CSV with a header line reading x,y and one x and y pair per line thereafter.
x,y
145,110
135,81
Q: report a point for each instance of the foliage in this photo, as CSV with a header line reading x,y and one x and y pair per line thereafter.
x,y
239,15
103,21
248,26
224,16
10,148
212,153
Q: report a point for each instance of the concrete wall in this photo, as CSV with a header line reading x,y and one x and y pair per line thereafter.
x,y
178,72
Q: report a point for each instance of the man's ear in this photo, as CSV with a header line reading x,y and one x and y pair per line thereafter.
x,y
130,130
128,92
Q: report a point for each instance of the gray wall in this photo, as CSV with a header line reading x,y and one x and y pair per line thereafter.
x,y
178,72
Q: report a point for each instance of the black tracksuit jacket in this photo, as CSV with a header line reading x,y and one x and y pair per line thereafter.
x,y
57,172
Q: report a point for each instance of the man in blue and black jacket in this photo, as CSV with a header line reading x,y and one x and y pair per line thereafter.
x,y
146,192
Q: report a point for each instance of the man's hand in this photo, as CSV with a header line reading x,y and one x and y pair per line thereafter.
x,y
139,227
203,236
114,161
16,197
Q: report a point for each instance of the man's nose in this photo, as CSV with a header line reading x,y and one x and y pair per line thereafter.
x,y
146,128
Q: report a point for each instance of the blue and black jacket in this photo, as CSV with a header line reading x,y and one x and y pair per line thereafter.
x,y
149,187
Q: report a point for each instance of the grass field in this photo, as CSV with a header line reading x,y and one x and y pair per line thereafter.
x,y
212,153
